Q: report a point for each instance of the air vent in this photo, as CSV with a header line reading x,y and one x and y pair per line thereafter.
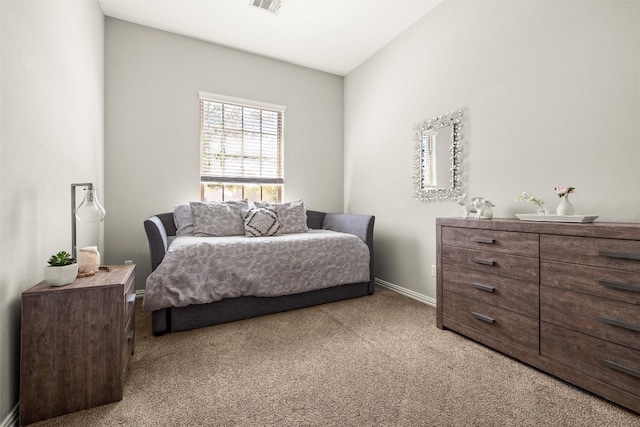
x,y
272,6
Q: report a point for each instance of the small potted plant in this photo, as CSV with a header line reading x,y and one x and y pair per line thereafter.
x,y
62,269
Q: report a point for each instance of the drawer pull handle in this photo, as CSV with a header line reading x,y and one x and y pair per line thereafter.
x,y
618,367
483,317
485,288
622,255
620,323
618,285
482,240
483,261
131,298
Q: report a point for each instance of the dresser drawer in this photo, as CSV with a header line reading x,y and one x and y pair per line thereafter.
x,y
522,244
512,294
502,324
610,320
610,363
492,263
608,253
603,282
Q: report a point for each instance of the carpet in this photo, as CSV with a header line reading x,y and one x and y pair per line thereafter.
x,y
372,361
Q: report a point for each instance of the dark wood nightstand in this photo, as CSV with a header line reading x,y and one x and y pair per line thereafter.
x,y
76,342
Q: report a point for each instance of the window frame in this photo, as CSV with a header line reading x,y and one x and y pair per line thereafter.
x,y
231,180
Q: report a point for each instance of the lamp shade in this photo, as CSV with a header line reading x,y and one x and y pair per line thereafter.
x,y
90,210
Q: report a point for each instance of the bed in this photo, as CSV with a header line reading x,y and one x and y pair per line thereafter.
x,y
172,312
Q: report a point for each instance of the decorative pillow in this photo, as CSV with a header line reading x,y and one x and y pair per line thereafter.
x,y
260,222
292,215
183,219
218,218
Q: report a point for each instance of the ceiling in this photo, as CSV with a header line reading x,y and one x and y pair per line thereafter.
x,y
329,35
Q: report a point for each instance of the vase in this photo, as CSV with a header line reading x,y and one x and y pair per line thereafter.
x,y
565,207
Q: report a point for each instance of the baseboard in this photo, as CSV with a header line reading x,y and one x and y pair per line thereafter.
x,y
407,292
11,420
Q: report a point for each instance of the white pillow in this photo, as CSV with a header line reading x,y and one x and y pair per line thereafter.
x,y
291,215
218,218
260,222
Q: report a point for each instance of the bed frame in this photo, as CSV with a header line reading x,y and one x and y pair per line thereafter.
x,y
161,226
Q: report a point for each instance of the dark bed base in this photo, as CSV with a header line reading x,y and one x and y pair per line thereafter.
x,y
229,310
173,319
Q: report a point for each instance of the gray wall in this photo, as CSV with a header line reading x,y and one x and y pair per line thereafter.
x,y
51,134
552,96
152,119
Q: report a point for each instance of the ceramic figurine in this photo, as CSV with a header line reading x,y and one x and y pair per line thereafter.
x,y
466,206
483,208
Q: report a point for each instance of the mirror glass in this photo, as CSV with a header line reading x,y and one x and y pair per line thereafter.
x,y
437,169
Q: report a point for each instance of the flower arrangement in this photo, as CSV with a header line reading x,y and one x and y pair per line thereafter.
x,y
564,191
528,197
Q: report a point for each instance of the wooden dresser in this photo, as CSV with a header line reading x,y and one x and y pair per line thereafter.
x,y
562,297
76,341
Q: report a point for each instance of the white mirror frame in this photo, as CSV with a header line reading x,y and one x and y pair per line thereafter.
x,y
454,190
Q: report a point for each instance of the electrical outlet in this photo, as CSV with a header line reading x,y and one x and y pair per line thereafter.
x,y
433,270
127,262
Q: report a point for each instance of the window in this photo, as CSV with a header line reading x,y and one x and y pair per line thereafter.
x,y
240,149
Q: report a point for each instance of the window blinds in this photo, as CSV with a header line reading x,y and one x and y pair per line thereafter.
x,y
240,140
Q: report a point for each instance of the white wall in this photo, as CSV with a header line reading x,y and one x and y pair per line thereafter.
x,y
51,134
152,119
552,96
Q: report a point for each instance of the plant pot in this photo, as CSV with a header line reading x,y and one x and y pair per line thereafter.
x,y
60,276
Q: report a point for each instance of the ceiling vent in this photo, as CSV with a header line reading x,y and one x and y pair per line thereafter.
x,y
272,6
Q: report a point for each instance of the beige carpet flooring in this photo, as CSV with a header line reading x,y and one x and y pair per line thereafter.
x,y
371,361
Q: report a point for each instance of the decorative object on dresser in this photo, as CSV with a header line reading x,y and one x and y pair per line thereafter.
x,y
88,261
437,158
565,207
526,196
76,342
62,269
565,211
483,208
478,205
564,298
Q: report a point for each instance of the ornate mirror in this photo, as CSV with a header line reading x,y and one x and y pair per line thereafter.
x,y
437,172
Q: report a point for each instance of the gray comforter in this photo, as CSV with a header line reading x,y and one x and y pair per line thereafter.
x,y
198,270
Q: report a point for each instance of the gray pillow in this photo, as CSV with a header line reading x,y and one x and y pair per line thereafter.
x,y
291,215
260,222
218,218
183,219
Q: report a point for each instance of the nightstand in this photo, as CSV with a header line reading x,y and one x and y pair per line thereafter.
x,y
76,342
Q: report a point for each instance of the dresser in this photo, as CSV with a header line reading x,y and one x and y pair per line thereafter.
x,y
76,342
562,297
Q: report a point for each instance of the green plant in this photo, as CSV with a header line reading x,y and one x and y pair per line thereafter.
x,y
61,259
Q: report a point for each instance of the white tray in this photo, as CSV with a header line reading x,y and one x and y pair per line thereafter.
x,y
557,218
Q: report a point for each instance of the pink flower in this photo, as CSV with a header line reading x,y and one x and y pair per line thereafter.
x,y
563,191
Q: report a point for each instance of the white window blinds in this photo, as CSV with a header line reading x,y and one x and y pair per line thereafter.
x,y
240,140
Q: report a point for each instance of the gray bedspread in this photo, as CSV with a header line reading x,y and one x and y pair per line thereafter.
x,y
199,270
